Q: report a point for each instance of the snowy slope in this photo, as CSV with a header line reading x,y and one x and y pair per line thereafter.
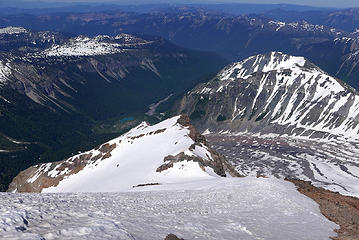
x,y
168,152
218,208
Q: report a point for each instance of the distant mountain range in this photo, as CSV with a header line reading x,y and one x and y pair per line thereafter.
x,y
345,19
233,37
36,7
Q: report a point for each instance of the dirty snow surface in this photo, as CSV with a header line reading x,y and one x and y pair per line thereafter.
x,y
330,164
224,208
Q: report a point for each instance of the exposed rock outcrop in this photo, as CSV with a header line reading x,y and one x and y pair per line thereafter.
x,y
172,237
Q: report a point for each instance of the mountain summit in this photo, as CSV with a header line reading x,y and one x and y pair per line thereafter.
x,y
275,93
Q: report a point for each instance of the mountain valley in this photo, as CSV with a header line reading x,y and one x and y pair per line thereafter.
x,y
233,37
178,121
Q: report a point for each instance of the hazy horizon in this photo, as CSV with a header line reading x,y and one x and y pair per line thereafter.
x,y
317,3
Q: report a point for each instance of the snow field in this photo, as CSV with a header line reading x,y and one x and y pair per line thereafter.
x,y
220,208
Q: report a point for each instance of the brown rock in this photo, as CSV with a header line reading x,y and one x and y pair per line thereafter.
x,y
172,237
194,134
164,167
343,210
105,148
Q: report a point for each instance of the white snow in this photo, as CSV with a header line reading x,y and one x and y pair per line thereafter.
x,y
219,208
330,164
84,46
5,72
278,24
278,64
206,132
277,61
7,101
302,26
12,30
99,45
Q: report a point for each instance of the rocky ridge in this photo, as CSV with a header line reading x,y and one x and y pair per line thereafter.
x,y
30,63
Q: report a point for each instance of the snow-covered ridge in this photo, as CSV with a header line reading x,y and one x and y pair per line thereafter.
x,y
303,26
128,38
167,152
99,45
12,30
261,63
84,46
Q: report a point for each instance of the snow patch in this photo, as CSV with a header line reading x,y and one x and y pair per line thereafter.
x,y
84,46
5,72
12,30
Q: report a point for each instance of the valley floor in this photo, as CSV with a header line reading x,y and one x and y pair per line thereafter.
x,y
221,208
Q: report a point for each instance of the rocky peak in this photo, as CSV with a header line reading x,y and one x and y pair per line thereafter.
x,y
273,61
275,93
